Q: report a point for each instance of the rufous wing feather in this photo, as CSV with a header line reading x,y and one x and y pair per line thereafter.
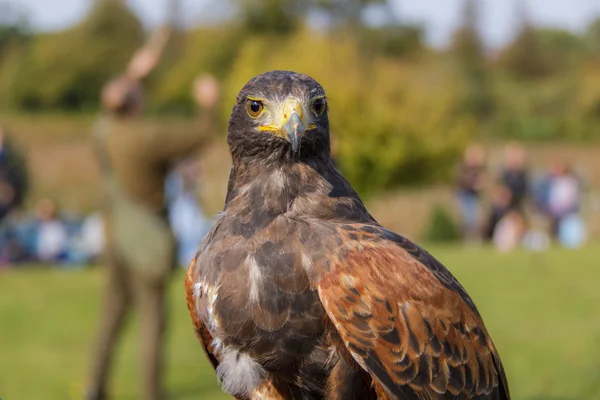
x,y
417,337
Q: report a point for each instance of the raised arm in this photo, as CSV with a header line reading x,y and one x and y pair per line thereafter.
x,y
169,143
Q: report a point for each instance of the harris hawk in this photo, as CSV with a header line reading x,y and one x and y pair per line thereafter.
x,y
298,293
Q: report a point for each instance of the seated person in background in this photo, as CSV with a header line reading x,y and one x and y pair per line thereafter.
x,y
471,179
51,236
13,239
501,201
13,176
514,175
563,194
92,236
509,231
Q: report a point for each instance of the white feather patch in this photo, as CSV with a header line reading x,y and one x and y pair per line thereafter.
x,y
306,262
197,289
255,277
239,373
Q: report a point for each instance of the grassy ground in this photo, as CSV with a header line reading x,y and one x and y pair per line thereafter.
x,y
543,311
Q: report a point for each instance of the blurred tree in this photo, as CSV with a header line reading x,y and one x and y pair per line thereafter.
x,y
523,57
561,49
271,16
468,49
14,28
67,70
592,36
441,227
393,40
345,13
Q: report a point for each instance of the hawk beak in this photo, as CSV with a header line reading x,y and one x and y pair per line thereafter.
x,y
294,129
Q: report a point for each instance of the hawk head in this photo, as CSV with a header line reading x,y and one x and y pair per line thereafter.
x,y
280,115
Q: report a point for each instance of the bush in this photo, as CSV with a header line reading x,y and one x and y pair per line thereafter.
x,y
441,227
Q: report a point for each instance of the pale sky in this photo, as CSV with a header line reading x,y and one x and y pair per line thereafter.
x,y
440,17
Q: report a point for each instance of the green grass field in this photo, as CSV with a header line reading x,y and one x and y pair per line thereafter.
x,y
543,311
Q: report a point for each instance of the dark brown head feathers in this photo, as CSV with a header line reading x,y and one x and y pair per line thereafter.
x,y
247,143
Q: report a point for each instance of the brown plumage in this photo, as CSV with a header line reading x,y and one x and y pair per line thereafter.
x,y
298,293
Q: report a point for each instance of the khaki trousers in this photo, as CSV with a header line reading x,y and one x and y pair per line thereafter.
x,y
125,290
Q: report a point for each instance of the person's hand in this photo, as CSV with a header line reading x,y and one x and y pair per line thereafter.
x,y
145,59
142,63
205,91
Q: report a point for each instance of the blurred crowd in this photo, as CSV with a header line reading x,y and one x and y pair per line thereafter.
x,y
50,235
516,206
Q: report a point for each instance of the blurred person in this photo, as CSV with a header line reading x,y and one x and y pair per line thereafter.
x,y
500,205
470,183
514,175
186,217
13,176
509,231
14,245
563,196
572,232
140,252
51,236
536,237
93,236
540,190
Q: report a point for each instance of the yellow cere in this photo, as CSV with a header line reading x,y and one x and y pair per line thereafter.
x,y
276,115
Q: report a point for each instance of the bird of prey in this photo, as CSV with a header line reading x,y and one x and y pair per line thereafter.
x,y
298,293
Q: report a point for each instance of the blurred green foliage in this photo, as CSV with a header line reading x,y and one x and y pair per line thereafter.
x,y
467,47
441,227
592,36
401,112
65,71
13,28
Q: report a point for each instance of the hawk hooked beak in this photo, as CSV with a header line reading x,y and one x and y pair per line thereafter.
x,y
295,129
289,122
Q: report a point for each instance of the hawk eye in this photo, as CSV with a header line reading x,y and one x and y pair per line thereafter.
x,y
319,105
254,108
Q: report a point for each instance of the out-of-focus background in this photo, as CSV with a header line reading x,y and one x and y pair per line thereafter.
x,y
471,126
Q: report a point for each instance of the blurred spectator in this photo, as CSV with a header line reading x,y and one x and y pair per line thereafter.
x,y
563,199
13,244
563,194
572,231
13,176
514,175
509,231
186,218
92,236
501,202
537,238
51,236
470,182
